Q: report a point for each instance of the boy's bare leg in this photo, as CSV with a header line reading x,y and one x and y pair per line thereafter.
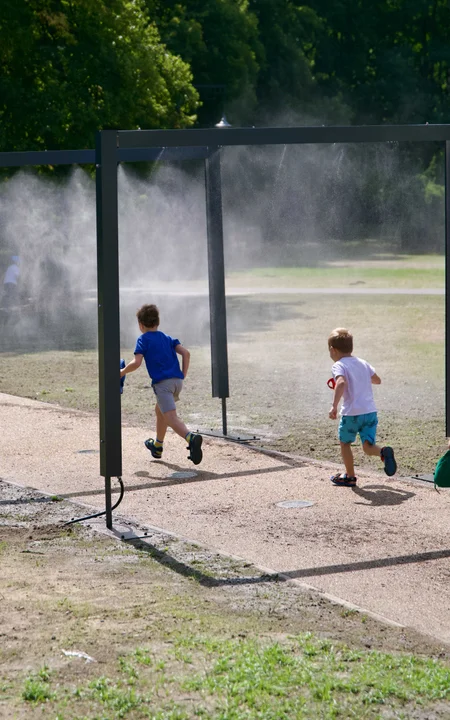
x,y
161,425
172,420
347,456
371,449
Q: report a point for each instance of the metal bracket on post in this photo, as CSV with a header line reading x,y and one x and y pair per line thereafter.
x,y
108,311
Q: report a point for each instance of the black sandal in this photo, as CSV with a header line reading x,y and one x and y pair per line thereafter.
x,y
343,479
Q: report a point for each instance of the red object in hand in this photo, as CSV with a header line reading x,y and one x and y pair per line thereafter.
x,y
331,383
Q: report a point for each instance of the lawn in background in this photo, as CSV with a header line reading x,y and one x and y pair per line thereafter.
x,y
409,271
279,365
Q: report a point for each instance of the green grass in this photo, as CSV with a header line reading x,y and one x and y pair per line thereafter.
x,y
366,276
248,679
37,688
284,398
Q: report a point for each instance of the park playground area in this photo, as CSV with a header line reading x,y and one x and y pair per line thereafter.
x,y
207,554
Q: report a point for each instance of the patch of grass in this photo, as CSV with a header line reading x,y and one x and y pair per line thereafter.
x,y
128,668
143,656
80,610
348,612
250,679
314,678
113,697
373,277
37,687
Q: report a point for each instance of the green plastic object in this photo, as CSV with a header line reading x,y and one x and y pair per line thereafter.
x,y
442,471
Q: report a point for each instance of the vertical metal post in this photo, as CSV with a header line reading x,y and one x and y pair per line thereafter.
x,y
447,288
216,276
108,311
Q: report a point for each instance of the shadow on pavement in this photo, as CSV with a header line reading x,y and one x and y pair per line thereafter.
x,y
206,579
377,495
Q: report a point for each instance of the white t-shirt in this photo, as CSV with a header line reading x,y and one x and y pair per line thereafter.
x,y
12,275
358,393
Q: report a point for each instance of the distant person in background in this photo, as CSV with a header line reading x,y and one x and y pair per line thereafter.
x,y
11,283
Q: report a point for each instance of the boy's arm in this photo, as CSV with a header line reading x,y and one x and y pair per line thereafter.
x,y
132,365
375,379
338,393
186,356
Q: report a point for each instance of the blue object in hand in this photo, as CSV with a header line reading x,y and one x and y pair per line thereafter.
x,y
122,379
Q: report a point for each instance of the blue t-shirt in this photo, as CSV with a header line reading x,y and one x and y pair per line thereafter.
x,y
159,354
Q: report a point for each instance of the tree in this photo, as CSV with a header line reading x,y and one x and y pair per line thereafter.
x,y
287,32
219,40
390,59
70,67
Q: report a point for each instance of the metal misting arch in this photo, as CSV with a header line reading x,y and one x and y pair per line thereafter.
x,y
116,146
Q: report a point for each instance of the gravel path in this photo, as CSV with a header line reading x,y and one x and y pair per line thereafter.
x,y
383,546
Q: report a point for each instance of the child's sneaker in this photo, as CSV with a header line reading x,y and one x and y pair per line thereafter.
x,y
155,451
343,479
387,456
195,448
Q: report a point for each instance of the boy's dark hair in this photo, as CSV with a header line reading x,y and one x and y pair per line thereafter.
x,y
148,316
341,339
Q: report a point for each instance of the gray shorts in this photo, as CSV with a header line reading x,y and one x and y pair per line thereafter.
x,y
167,393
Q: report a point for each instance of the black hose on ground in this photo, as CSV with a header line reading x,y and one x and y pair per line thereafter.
x,y
99,514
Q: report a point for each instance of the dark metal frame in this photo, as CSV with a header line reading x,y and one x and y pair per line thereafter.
x,y
115,146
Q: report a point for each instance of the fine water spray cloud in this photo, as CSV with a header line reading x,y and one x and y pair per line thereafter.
x,y
51,226
282,205
163,249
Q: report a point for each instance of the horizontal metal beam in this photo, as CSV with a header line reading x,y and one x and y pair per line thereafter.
x,y
162,154
179,145
81,157
282,136
47,157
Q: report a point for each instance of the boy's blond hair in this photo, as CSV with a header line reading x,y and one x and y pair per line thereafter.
x,y
341,339
148,316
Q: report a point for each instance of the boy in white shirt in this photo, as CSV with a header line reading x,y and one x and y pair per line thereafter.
x,y
354,378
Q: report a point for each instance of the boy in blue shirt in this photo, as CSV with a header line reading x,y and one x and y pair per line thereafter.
x,y
160,354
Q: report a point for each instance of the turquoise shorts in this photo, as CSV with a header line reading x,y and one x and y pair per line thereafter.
x,y
364,425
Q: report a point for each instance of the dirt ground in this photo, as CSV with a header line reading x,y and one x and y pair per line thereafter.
x,y
382,546
74,600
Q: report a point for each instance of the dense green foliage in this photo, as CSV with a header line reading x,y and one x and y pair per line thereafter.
x,y
69,67
220,41
390,59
